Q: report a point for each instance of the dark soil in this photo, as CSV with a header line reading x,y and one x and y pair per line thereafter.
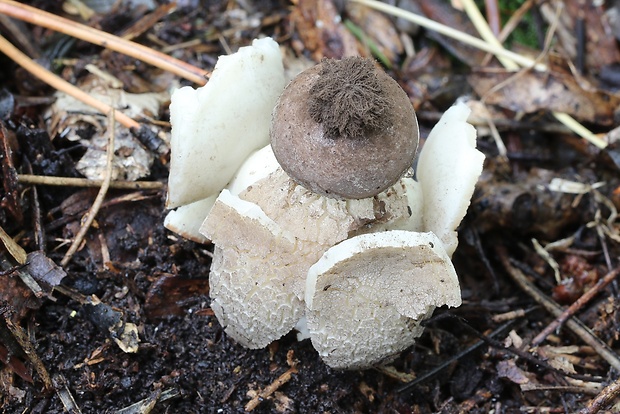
x,y
158,281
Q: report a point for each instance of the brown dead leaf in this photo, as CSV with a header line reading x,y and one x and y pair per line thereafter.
x,y
523,206
44,270
166,296
443,12
378,27
559,357
318,24
532,91
509,370
600,44
73,119
428,74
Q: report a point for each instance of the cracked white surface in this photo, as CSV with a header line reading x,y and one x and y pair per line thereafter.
x,y
254,266
367,295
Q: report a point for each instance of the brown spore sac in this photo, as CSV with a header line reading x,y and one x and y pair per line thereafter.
x,y
344,129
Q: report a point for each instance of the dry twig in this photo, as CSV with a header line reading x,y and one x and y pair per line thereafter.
x,y
90,215
605,397
60,84
576,306
29,350
51,21
492,12
274,386
85,182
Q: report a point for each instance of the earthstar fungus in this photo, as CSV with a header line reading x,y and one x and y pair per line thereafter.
x,y
352,260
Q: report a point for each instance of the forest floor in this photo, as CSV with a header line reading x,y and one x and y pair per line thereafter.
x,y
123,324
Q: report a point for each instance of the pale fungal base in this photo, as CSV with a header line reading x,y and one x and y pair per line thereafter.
x,y
252,272
267,238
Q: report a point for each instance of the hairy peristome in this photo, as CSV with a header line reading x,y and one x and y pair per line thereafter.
x,y
348,98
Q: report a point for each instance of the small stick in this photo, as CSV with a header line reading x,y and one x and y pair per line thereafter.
x,y
29,350
39,229
508,316
60,84
90,215
580,35
433,372
580,130
148,21
510,26
15,250
492,9
60,24
576,306
274,386
486,33
85,182
64,394
514,20
606,397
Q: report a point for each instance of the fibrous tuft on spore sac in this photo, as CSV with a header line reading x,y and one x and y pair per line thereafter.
x,y
348,98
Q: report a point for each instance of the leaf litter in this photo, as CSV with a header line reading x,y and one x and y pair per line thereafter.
x,y
126,326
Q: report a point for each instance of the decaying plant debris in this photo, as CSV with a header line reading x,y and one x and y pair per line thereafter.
x,y
115,316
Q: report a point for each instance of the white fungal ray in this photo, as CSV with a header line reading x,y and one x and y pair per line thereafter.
x,y
186,220
366,296
216,127
448,169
